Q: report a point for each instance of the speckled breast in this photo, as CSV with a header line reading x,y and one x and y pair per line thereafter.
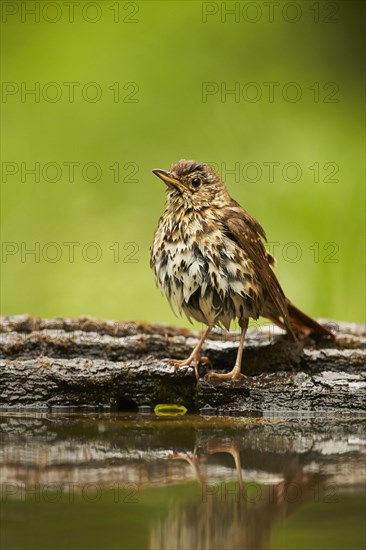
x,y
203,272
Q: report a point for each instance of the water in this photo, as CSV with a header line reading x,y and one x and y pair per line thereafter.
x,y
118,481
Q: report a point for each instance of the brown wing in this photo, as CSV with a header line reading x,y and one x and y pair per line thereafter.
x,y
248,234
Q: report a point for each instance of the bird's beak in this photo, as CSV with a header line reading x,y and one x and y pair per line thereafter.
x,y
168,178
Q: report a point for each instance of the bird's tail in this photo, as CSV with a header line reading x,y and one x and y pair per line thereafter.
x,y
301,324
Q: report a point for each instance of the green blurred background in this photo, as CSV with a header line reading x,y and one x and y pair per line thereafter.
x,y
168,51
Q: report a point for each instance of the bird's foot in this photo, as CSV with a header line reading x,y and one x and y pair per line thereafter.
x,y
193,359
234,374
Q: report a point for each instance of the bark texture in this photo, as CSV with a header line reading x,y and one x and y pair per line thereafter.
x,y
85,362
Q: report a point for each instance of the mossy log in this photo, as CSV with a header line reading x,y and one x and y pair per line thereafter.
x,y
85,362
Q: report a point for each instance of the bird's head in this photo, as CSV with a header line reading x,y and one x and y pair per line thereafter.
x,y
193,185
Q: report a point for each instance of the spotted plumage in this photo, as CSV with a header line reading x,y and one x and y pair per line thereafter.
x,y
209,258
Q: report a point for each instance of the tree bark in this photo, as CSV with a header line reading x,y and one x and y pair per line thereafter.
x,y
85,362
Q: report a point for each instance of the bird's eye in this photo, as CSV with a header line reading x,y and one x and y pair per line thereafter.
x,y
196,182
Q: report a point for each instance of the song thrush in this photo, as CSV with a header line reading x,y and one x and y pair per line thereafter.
x,y
209,259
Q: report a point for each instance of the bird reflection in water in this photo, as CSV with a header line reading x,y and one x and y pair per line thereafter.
x,y
233,514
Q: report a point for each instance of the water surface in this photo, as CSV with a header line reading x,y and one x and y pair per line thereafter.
x,y
134,481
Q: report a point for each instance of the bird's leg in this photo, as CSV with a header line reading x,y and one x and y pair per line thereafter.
x,y
234,374
231,449
193,461
195,357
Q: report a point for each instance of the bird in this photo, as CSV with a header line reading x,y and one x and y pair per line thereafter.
x,y
209,258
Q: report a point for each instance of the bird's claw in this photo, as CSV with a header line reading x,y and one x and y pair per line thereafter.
x,y
232,375
193,360
190,361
